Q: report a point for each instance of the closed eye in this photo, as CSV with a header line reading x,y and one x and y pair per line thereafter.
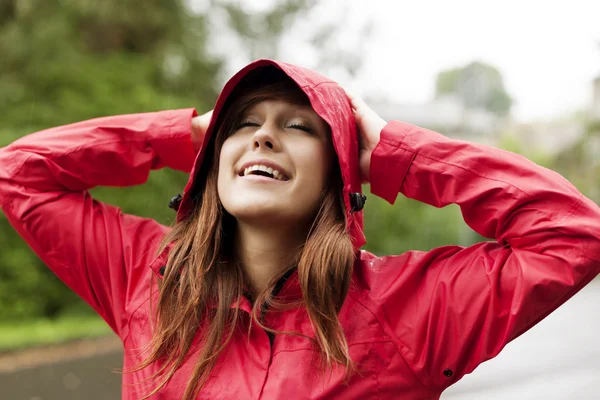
x,y
244,124
301,127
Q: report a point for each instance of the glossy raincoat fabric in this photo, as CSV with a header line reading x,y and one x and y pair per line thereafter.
x,y
415,322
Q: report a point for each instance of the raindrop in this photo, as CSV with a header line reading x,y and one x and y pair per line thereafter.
x,y
71,381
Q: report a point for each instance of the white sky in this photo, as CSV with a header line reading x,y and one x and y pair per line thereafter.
x,y
548,51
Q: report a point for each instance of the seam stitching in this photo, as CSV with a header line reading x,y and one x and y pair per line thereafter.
x,y
16,172
395,343
467,170
313,85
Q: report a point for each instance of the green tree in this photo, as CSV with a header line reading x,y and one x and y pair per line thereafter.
x,y
478,85
412,225
579,162
70,60
332,43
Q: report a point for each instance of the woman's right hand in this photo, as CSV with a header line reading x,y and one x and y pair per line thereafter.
x,y
199,127
369,125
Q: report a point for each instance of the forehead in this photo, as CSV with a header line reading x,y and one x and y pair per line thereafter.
x,y
281,105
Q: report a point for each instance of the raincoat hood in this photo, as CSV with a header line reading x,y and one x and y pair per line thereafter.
x,y
330,102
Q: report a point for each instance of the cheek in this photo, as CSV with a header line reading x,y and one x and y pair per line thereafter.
x,y
317,164
226,159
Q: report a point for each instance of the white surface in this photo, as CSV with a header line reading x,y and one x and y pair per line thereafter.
x,y
547,51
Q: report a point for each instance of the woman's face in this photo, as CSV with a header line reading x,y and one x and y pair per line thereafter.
x,y
274,167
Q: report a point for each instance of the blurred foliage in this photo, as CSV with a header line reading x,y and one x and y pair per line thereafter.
x,y
337,40
478,85
411,225
42,331
580,162
70,60
260,30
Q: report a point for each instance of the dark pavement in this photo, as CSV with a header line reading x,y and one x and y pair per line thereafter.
x,y
88,378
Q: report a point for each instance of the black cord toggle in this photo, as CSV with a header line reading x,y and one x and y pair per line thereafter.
x,y
357,201
175,202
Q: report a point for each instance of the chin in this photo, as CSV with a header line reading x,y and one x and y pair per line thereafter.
x,y
270,215
257,213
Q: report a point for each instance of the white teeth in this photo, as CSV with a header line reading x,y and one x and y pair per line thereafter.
x,y
258,167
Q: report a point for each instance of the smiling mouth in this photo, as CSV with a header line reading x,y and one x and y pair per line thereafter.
x,y
263,170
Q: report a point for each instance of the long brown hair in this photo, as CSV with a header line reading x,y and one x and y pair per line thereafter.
x,y
202,279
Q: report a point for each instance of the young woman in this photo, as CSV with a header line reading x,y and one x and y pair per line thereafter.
x,y
260,289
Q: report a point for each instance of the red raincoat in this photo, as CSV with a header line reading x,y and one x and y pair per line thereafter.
x,y
415,322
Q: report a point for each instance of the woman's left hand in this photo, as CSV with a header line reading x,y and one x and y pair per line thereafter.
x,y
199,127
369,125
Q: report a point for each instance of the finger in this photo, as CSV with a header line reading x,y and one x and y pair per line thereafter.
x,y
208,115
202,121
359,106
196,125
352,97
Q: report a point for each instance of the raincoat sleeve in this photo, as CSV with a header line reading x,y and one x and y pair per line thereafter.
x,y
94,248
453,308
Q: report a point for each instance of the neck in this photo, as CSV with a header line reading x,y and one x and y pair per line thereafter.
x,y
265,252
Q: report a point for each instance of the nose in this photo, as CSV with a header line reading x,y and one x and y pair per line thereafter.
x,y
265,138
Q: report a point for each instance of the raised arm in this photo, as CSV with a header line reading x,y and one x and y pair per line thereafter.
x,y
468,303
94,248
452,308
